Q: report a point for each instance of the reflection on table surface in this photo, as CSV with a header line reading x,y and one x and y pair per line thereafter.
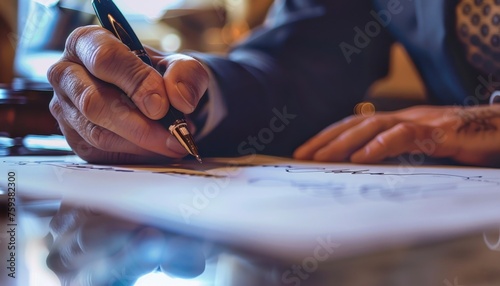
x,y
470,260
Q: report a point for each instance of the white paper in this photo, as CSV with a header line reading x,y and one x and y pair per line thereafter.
x,y
278,207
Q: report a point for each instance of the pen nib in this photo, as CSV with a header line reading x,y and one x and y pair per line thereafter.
x,y
180,131
199,159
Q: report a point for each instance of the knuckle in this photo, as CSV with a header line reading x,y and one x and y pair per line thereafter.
x,y
73,39
55,107
109,63
99,137
76,37
66,76
57,71
104,58
88,103
381,140
406,128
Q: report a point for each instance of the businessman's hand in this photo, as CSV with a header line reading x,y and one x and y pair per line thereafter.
x,y
95,83
91,249
467,135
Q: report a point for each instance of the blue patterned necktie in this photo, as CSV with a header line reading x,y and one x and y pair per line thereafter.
x,y
478,28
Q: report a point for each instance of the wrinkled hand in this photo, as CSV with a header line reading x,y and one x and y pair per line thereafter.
x,y
90,249
106,99
468,135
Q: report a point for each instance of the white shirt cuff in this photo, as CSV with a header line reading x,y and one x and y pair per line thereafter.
x,y
495,97
215,110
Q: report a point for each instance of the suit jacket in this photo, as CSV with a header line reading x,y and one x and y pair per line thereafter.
x,y
312,61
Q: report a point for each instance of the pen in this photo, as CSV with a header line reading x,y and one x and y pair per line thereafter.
x,y
113,20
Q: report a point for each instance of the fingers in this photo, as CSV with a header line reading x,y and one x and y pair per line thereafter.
x,y
126,152
308,150
99,113
186,80
67,219
373,139
151,248
89,153
102,251
341,148
64,243
106,58
462,134
400,139
101,140
92,82
185,258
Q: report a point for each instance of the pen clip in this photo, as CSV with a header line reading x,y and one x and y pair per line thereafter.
x,y
113,20
120,32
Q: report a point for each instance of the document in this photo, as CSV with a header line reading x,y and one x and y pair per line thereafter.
x,y
276,206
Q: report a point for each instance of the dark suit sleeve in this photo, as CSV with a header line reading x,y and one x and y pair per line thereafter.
x,y
304,69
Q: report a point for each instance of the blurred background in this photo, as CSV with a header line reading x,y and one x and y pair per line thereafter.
x,y
33,33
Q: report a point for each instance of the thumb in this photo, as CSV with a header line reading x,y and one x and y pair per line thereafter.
x,y
185,79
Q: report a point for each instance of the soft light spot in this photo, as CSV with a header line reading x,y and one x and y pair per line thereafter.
x,y
161,279
364,109
171,43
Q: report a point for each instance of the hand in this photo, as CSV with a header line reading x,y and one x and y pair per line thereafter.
x,y
106,99
91,249
469,135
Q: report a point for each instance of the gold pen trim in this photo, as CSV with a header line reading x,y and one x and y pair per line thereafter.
x,y
180,130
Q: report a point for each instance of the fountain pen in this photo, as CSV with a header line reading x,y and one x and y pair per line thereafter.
x,y
113,20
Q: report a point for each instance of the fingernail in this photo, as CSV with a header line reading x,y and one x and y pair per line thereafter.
x,y
153,104
174,146
186,95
